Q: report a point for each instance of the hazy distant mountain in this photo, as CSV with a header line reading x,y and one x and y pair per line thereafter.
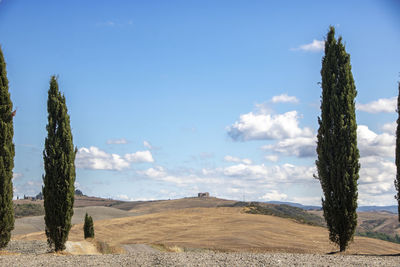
x,y
392,209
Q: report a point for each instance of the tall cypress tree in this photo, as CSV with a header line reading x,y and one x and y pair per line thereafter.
x,y
59,165
6,158
397,181
337,150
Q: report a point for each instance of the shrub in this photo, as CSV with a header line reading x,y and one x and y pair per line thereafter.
x,y
88,228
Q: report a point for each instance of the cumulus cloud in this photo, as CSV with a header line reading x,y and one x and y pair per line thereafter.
x,y
273,158
274,195
298,146
387,105
315,46
376,181
156,172
140,156
264,126
120,141
246,170
278,173
97,159
372,144
237,160
369,143
390,128
284,98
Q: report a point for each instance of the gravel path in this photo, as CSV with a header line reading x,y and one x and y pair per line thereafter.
x,y
34,253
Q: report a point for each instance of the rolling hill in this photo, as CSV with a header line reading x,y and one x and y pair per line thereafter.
x,y
222,229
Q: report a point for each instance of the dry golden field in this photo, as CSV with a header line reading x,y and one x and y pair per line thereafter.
x,y
224,229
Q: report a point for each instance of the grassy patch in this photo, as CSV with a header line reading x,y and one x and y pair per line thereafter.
x,y
380,235
166,248
371,224
23,210
105,248
285,211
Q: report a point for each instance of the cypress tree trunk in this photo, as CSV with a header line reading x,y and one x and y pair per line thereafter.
x,y
337,150
59,166
397,181
6,158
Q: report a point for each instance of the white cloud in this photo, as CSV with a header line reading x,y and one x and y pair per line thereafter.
x,y
273,174
387,105
246,170
298,146
96,159
273,158
284,98
156,172
147,145
390,128
120,141
315,46
376,181
372,144
140,156
237,160
274,195
264,126
369,143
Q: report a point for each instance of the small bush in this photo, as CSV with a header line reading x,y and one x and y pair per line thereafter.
x,y
88,228
23,210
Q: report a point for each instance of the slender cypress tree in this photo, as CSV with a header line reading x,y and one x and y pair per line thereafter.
x,y
338,155
6,158
59,165
397,181
88,228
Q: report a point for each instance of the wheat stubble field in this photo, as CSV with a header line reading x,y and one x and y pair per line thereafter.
x,y
195,228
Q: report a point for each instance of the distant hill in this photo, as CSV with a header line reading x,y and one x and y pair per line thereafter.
x,y
297,205
216,228
391,209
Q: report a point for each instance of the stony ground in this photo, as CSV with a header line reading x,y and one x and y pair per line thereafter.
x,y
35,253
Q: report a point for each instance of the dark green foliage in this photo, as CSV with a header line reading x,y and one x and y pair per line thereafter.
x,y
88,228
285,211
6,158
23,210
337,150
59,178
381,236
397,181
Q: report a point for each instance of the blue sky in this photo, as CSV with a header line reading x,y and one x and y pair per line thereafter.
x,y
171,98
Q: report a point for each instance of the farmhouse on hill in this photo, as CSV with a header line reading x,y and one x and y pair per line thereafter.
x,y
205,194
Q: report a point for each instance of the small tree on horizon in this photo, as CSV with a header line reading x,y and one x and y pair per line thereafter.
x,y
59,165
7,154
338,155
88,228
397,180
